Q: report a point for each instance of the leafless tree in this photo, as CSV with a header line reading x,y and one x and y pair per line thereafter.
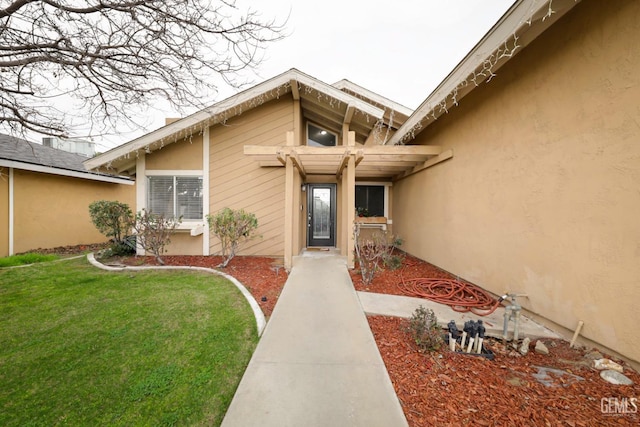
x,y
106,58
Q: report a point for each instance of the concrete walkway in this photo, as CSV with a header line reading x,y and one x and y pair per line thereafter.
x,y
317,363
402,306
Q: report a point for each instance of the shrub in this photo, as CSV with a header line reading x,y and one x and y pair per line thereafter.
x,y
375,251
424,330
113,219
232,227
154,231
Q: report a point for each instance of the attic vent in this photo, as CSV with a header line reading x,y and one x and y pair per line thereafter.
x,y
47,141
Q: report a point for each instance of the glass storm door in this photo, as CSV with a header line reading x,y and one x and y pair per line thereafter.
x,y
321,218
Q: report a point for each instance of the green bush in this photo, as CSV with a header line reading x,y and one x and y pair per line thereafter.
x,y
424,330
115,220
232,227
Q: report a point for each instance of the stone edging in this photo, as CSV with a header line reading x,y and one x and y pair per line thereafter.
x,y
257,312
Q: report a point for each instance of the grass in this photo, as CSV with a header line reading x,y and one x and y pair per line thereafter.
x,y
30,258
79,346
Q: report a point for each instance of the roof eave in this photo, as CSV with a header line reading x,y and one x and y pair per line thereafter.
x,y
525,20
32,167
379,99
228,108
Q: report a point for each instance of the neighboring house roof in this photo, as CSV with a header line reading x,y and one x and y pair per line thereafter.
x,y
322,103
518,27
21,154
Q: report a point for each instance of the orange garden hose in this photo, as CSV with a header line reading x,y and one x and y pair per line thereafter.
x,y
461,297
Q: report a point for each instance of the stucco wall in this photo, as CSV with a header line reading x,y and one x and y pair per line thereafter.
x,y
542,194
237,181
53,210
4,212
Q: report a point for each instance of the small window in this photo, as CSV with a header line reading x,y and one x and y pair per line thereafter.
x,y
318,137
370,200
175,196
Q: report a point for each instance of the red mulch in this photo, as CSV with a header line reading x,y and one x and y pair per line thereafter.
x,y
448,389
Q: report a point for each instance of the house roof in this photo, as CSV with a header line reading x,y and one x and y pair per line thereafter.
x,y
21,154
321,103
519,26
395,114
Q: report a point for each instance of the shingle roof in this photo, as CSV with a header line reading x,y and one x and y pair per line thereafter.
x,y
22,154
20,150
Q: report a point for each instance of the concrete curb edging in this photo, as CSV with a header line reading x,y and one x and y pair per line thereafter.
x,y
257,312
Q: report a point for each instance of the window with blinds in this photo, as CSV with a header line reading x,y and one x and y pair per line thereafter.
x,y
175,196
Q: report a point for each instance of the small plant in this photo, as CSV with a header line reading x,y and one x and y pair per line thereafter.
x,y
154,231
232,227
393,262
423,328
115,220
375,251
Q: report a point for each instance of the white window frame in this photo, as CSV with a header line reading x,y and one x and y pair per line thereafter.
x,y
386,186
177,174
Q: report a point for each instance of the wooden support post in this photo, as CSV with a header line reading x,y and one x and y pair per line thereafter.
x,y
349,209
288,206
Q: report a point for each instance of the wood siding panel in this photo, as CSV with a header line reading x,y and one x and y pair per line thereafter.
x,y
237,181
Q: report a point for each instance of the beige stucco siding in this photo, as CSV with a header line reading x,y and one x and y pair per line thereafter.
x,y
541,196
237,181
53,210
4,212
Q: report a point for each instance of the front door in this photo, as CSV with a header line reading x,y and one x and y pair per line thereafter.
x,y
321,218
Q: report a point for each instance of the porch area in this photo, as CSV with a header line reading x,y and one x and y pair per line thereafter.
x,y
342,167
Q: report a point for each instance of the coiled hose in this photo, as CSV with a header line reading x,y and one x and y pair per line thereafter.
x,y
461,297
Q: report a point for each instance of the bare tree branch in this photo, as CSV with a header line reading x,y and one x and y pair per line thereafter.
x,y
112,55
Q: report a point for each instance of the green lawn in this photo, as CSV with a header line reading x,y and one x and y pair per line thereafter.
x,y
79,346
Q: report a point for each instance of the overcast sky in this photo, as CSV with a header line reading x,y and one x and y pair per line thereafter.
x,y
399,49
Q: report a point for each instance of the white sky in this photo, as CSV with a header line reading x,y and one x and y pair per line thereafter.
x,y
401,50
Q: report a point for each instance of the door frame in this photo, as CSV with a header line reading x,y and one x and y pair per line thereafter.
x,y
331,241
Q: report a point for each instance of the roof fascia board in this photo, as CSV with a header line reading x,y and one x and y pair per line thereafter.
x,y
64,172
348,100
366,93
523,14
219,109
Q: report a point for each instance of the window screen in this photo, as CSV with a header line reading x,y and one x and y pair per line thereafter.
x,y
160,192
370,200
175,196
189,197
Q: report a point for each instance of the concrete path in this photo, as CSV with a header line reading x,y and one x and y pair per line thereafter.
x,y
402,306
317,363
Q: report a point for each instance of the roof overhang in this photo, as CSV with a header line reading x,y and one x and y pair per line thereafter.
x,y
518,27
395,114
372,162
322,103
65,172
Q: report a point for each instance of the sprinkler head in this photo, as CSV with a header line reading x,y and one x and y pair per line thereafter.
x,y
453,329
